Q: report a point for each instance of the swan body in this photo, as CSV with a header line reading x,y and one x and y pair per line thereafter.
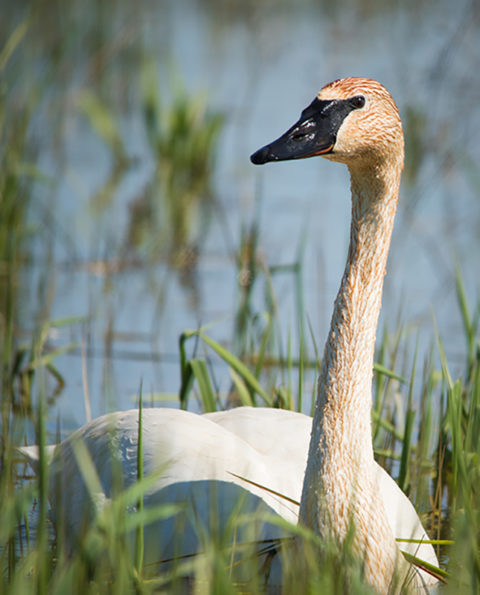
x,y
327,463
284,436
265,446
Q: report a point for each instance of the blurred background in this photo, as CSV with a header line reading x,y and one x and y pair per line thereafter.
x,y
130,211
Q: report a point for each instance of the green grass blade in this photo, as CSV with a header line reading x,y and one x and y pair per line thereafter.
x,y
266,335
381,369
48,358
186,372
102,121
134,521
200,372
242,391
386,425
12,42
403,477
301,361
468,324
66,321
87,467
438,573
43,503
425,541
239,367
139,536
266,488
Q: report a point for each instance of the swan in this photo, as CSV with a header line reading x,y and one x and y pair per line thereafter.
x,y
326,463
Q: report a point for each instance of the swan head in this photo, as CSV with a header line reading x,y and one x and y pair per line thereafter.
x,y
352,120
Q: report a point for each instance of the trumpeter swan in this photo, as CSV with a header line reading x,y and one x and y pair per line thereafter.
x,y
354,121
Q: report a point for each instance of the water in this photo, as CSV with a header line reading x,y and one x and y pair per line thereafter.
x,y
260,65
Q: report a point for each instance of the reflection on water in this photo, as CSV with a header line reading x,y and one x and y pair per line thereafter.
x,y
111,130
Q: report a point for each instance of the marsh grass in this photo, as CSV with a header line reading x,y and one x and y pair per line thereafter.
x,y
173,212
426,426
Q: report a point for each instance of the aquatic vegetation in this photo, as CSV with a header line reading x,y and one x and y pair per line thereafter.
x,y
173,212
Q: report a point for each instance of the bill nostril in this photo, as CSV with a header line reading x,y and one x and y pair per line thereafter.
x,y
304,131
299,136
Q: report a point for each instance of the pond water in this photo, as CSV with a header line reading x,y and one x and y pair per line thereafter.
x,y
259,64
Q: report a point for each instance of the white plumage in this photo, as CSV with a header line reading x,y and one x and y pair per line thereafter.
x,y
191,454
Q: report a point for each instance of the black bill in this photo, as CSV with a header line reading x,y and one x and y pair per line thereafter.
x,y
315,133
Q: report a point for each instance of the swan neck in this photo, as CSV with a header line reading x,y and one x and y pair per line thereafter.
x,y
340,473
346,375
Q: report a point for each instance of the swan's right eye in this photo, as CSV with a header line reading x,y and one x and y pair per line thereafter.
x,y
358,101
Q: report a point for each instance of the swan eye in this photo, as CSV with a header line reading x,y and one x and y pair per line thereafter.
x,y
358,101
